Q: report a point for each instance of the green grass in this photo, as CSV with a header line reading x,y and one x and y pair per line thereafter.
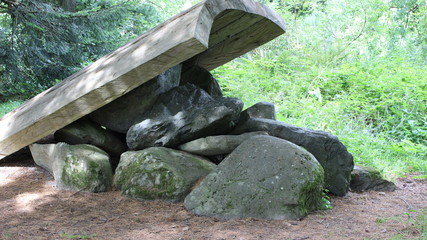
x,y
8,106
377,109
7,235
68,236
415,222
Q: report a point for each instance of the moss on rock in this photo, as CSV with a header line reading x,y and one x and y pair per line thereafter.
x,y
159,173
79,167
265,177
312,192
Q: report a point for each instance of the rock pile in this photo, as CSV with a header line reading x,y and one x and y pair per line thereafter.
x,y
164,136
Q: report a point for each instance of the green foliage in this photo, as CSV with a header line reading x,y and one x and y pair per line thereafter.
x,y
326,201
415,221
41,44
389,94
169,8
7,235
377,108
380,220
8,106
68,236
355,69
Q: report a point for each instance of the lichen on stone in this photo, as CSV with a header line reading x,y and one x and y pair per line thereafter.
x,y
86,174
159,173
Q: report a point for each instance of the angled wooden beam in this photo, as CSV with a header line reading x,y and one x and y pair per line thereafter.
x,y
210,34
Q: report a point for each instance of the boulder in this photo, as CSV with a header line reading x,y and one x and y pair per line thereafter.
x,y
265,177
235,105
129,109
261,110
217,145
80,167
364,179
85,131
183,114
159,173
336,161
202,78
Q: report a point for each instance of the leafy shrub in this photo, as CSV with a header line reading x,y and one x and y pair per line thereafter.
x,y
8,106
377,108
390,94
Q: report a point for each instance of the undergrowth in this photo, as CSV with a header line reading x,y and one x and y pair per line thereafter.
x,y
378,109
6,107
415,221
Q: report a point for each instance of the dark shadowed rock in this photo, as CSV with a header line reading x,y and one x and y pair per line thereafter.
x,y
216,145
217,158
235,105
265,177
202,78
261,110
87,132
183,114
328,150
80,167
129,109
159,173
364,179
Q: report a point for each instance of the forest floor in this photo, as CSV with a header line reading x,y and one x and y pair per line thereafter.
x,y
32,208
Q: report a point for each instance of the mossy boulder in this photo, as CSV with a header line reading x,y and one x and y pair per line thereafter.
x,y
336,161
84,131
159,173
79,167
365,179
265,177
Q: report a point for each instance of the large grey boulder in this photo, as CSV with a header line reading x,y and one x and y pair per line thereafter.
x,y
328,150
129,109
80,167
183,114
265,177
261,110
159,173
216,145
85,131
365,179
202,78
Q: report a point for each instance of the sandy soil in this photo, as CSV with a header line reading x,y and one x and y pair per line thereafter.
x,y
32,208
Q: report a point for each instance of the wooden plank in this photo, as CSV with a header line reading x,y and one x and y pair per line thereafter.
x,y
102,82
238,25
177,40
225,18
236,45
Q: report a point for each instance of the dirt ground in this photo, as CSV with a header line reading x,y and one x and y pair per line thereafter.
x,y
32,208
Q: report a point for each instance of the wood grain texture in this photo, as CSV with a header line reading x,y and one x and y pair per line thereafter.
x,y
210,33
236,45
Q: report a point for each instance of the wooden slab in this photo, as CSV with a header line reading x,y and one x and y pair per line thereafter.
x,y
209,34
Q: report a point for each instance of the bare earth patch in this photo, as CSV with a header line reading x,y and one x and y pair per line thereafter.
x,y
31,208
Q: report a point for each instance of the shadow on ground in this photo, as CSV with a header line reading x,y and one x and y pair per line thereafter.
x,y
32,208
